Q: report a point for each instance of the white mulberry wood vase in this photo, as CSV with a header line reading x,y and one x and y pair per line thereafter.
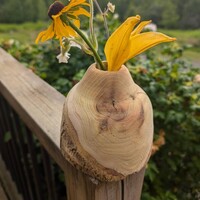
x,y
107,125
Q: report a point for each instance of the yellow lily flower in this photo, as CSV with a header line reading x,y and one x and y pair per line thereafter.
x,y
59,27
125,43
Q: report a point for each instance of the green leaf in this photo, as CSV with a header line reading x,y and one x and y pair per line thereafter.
x,y
7,136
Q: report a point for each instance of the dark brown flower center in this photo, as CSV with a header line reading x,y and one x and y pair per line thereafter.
x,y
55,8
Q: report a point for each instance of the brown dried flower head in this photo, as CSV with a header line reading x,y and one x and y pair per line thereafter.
x,y
55,8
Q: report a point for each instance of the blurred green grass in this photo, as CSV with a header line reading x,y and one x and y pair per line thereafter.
x,y
25,33
190,38
185,36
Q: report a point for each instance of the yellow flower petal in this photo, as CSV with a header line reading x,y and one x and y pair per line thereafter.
x,y
58,28
49,34
77,23
74,3
124,43
140,27
116,46
71,31
62,30
39,36
45,35
81,11
56,16
141,42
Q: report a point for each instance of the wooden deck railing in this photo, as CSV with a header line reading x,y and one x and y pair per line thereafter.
x,y
30,119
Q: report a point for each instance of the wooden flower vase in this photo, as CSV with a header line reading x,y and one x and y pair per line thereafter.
x,y
107,125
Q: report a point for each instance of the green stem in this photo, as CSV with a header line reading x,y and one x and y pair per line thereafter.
x,y
92,37
91,18
95,54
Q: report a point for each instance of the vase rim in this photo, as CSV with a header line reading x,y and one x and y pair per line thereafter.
x,y
93,67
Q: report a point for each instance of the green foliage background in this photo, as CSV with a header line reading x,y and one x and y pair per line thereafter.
x,y
167,14
173,172
178,14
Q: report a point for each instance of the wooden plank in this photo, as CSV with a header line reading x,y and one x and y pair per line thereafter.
x,y
2,194
108,191
7,182
37,103
81,186
133,185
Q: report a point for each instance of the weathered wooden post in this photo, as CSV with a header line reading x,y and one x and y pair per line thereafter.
x,y
82,187
106,133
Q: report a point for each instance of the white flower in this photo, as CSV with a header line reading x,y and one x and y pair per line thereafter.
x,y
63,58
116,16
151,27
111,7
74,44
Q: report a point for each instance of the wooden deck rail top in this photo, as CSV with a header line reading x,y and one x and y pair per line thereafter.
x,y
37,103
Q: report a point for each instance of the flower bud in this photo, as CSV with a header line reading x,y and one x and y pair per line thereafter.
x,y
111,7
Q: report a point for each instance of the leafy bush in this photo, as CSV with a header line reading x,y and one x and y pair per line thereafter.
x,y
173,172
42,61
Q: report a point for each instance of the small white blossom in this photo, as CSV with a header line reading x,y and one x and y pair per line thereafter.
x,y
74,44
111,7
116,16
63,58
151,27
